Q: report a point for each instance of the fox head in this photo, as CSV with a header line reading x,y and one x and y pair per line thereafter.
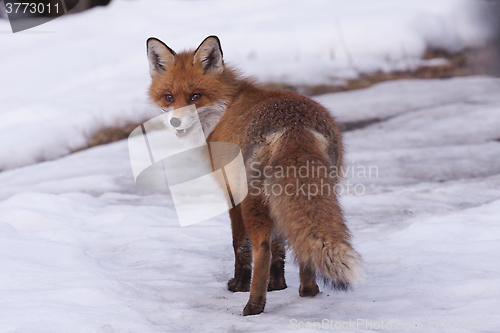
x,y
196,78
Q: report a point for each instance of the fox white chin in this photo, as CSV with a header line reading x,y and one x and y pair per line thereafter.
x,y
189,129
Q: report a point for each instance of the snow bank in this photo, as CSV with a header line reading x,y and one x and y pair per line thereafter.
x,y
65,80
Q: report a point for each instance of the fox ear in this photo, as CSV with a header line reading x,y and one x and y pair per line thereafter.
x,y
209,56
160,56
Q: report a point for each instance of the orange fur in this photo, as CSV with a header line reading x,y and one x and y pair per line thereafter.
x,y
273,129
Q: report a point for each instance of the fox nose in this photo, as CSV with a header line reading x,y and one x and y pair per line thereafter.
x,y
176,122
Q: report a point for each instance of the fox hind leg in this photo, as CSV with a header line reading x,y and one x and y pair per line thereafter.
x,y
259,226
308,286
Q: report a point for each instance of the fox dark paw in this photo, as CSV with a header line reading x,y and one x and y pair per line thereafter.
x,y
239,285
253,309
308,291
276,284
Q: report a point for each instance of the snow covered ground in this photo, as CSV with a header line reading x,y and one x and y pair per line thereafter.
x,y
83,249
63,81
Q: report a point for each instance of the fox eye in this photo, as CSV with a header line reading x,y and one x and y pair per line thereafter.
x,y
195,97
169,98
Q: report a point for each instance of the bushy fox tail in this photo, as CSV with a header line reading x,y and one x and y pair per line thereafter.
x,y
307,213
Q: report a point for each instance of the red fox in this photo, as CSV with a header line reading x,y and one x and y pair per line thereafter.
x,y
279,133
